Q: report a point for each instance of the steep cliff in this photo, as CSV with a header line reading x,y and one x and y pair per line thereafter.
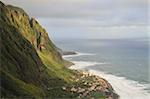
x,y
32,67
30,63
30,29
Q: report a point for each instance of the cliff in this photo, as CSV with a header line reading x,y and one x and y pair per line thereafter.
x,y
31,66
30,63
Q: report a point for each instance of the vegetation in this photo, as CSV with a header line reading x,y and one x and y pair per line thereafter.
x,y
24,72
31,66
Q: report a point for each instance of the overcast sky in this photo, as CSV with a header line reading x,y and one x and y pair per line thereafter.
x,y
89,18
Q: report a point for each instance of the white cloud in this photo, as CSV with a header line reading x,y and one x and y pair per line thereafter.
x,y
89,29
92,17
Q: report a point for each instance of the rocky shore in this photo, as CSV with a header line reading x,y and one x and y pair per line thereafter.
x,y
62,52
69,53
90,86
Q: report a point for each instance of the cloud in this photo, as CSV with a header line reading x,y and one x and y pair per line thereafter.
x,y
92,29
126,10
78,22
92,17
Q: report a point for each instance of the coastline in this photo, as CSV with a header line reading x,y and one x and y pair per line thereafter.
x,y
97,84
121,85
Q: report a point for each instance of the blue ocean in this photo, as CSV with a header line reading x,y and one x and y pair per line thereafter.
x,y
123,62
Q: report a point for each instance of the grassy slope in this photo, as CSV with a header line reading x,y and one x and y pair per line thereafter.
x,y
30,63
19,71
23,74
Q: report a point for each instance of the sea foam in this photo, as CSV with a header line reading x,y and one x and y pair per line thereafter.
x,y
125,88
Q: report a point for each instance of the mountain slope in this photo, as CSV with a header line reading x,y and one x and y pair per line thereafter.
x,y
32,67
30,29
22,70
20,63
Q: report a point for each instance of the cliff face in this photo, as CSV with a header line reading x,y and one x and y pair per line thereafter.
x,y
32,67
30,63
30,29
20,65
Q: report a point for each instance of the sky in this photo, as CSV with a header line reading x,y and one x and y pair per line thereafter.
x,y
89,18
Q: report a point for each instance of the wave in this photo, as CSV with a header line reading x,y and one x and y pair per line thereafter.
x,y
125,88
83,64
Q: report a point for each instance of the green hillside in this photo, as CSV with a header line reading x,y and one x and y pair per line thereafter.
x,y
27,68
32,68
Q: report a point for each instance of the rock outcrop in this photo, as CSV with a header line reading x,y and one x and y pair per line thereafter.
x,y
88,86
29,28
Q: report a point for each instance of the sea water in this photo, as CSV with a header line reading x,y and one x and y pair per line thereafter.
x,y
123,62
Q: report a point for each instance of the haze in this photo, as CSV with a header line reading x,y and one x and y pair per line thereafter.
x,y
89,18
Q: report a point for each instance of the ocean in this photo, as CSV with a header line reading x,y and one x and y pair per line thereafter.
x,y
124,63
